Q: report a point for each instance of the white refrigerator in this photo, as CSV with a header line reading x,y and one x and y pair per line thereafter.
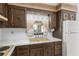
x,y
70,38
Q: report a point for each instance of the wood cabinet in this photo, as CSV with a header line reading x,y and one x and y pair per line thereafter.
x,y
3,11
36,52
43,49
52,20
48,49
17,18
61,16
58,48
68,15
22,50
53,49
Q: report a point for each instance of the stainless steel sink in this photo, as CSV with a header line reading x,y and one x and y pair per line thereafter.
x,y
1,54
4,48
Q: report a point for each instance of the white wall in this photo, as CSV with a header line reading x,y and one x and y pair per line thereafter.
x,y
9,35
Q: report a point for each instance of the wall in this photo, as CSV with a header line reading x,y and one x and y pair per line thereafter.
x,y
9,35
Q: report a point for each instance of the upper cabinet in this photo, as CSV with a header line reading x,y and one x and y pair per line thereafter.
x,y
52,20
3,12
17,18
3,9
63,15
68,15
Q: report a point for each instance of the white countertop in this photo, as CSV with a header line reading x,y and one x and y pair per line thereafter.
x,y
23,41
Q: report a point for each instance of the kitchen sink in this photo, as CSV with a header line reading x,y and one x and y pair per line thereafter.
x,y
38,39
1,54
4,48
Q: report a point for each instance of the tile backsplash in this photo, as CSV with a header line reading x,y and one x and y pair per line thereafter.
x,y
11,34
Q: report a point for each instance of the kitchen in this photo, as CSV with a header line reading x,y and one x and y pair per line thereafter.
x,y
34,29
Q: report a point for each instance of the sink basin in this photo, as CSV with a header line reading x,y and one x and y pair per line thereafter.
x,y
38,39
4,48
1,54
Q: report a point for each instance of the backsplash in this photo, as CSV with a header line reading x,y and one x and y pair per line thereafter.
x,y
12,34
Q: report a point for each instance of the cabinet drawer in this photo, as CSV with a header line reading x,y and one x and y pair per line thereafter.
x,y
21,48
40,45
58,47
58,43
23,53
36,46
47,44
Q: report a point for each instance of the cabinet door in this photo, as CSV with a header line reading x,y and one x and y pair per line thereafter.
x,y
3,11
58,48
47,49
22,50
36,52
68,15
17,17
72,15
53,21
53,49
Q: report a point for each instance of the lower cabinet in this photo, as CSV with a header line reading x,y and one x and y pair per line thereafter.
x,y
44,49
22,51
58,48
36,52
47,51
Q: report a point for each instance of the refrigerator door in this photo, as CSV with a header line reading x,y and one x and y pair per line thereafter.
x,y
73,41
72,44
66,35
70,38
74,27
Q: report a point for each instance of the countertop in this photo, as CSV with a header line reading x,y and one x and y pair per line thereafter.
x,y
24,41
